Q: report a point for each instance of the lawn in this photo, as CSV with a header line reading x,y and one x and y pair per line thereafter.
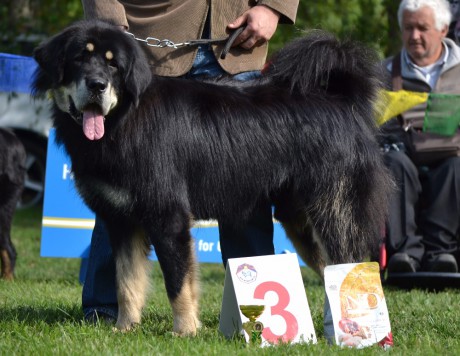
x,y
40,314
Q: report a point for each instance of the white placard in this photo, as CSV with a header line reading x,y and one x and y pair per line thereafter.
x,y
274,281
357,306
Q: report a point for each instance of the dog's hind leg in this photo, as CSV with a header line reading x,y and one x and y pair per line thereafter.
x,y
348,218
339,225
305,240
176,253
8,260
12,176
9,195
132,267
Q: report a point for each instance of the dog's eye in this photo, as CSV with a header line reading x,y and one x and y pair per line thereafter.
x,y
113,64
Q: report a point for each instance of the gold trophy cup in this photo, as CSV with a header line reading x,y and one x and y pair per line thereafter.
x,y
252,327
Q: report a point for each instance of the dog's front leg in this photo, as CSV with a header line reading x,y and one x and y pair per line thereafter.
x,y
132,267
176,254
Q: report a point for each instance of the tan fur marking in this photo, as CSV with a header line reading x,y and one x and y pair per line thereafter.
x,y
185,305
132,281
7,271
109,55
90,47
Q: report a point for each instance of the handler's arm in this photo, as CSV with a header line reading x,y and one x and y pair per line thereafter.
x,y
286,8
261,21
108,10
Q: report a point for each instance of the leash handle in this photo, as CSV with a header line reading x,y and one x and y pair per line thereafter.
x,y
204,41
230,41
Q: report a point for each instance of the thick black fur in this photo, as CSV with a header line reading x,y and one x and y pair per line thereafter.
x,y
174,150
12,176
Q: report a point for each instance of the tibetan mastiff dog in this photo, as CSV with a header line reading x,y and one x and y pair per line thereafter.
x,y
150,154
12,176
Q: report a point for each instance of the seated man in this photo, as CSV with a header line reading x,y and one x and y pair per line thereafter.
x,y
423,236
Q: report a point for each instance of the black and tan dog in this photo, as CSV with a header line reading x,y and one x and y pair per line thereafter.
x,y
12,176
150,154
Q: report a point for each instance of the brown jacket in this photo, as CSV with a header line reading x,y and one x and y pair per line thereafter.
x,y
182,20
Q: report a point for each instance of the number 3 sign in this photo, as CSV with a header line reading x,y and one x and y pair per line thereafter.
x,y
274,282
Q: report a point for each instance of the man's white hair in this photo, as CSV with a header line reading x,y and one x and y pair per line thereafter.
x,y
441,11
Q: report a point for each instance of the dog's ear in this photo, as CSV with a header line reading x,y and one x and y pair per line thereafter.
x,y
50,55
138,76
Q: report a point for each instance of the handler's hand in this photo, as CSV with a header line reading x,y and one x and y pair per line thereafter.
x,y
261,22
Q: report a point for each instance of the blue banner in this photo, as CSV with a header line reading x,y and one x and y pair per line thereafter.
x,y
16,73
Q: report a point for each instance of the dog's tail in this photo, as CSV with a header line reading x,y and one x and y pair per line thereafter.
x,y
320,63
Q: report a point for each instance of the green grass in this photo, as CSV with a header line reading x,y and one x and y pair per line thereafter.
x,y
40,314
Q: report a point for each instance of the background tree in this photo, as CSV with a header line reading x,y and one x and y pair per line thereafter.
x,y
371,21
26,22
393,32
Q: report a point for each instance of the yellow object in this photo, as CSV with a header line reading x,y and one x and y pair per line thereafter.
x,y
393,103
252,312
361,290
252,327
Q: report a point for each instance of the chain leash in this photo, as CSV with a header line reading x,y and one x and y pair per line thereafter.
x,y
158,43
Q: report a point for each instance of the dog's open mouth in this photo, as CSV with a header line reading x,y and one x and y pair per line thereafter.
x,y
91,119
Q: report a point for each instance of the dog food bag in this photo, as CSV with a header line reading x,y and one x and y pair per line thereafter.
x,y
356,313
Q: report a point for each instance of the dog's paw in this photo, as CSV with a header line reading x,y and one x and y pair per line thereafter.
x,y
188,333
124,326
7,277
186,326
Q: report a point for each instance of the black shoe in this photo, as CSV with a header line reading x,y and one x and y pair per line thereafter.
x,y
402,263
97,317
442,263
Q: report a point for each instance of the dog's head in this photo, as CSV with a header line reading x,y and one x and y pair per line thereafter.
x,y
91,69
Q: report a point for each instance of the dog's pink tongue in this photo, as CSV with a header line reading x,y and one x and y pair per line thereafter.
x,y
93,125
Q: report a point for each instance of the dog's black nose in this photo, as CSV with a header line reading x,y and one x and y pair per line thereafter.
x,y
96,85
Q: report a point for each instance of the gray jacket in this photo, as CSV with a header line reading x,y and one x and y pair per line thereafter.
x,y
412,80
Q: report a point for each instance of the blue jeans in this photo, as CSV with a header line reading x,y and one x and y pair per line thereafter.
x,y
99,288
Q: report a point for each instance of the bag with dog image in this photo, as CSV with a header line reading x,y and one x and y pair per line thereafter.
x,y
356,313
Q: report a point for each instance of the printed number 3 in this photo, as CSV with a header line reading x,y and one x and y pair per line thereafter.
x,y
292,326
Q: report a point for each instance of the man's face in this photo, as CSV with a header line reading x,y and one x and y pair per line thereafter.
x,y
420,37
